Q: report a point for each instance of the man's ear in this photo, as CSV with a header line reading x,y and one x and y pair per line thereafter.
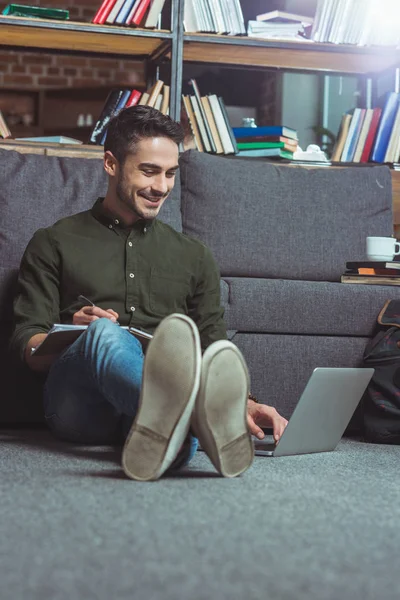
x,y
110,164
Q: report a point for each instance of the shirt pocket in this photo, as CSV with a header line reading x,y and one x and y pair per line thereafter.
x,y
169,292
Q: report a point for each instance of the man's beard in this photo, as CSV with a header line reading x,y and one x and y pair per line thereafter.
x,y
129,202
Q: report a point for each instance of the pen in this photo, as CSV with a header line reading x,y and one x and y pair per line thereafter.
x,y
84,299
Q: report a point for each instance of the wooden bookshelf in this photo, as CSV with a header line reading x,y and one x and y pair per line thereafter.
x,y
303,56
70,36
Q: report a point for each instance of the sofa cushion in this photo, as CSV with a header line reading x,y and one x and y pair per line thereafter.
x,y
304,307
280,365
36,191
264,220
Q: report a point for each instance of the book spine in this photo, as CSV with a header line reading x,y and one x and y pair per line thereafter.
x,y
192,122
110,105
165,101
114,12
103,12
139,14
228,125
132,12
371,135
200,123
154,13
203,114
124,12
385,127
133,98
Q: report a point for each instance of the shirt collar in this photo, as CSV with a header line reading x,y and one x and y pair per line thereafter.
x,y
106,217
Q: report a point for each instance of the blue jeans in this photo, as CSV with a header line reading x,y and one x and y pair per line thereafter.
x,y
92,391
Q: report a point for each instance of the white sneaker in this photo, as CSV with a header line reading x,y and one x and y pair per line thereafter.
x,y
171,377
220,415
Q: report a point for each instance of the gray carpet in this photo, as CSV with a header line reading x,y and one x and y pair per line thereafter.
x,y
320,527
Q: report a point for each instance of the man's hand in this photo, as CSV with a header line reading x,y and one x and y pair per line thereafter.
x,y
88,314
261,415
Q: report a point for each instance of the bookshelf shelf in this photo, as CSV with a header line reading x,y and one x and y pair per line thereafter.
x,y
304,56
81,37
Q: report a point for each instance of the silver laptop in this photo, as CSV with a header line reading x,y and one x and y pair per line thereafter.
x,y
322,413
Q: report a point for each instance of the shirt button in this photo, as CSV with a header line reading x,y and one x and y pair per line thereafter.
x,y
130,244
116,222
131,275
144,229
110,227
133,309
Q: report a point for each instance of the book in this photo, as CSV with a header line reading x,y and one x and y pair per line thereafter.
x,y
61,336
154,92
385,127
133,98
266,153
227,124
352,136
106,115
260,145
370,279
39,12
390,155
270,138
122,17
103,12
56,139
132,12
341,137
200,123
363,134
223,128
357,131
371,135
372,264
4,130
240,132
203,114
283,16
165,100
154,13
115,11
213,127
193,123
367,271
139,13
144,99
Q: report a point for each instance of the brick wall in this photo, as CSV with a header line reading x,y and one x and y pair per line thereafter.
x,y
24,70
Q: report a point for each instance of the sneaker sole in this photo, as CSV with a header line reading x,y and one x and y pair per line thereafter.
x,y
171,377
221,409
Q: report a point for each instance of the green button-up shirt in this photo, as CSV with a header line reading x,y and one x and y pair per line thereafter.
x,y
144,273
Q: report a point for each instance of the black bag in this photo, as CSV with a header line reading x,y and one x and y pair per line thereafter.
x,y
381,407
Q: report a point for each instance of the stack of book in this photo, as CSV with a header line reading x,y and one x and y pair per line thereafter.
x,y
278,24
129,12
209,122
372,273
157,96
272,142
370,135
4,130
214,16
361,22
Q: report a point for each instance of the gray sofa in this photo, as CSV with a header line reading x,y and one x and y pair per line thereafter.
x,y
312,527
280,235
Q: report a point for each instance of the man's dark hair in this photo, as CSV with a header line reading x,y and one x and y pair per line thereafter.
x,y
135,123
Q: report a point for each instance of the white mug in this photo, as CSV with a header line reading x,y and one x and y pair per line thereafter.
x,y
382,248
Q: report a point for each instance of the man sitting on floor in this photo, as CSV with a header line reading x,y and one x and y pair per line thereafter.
x,y
137,271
